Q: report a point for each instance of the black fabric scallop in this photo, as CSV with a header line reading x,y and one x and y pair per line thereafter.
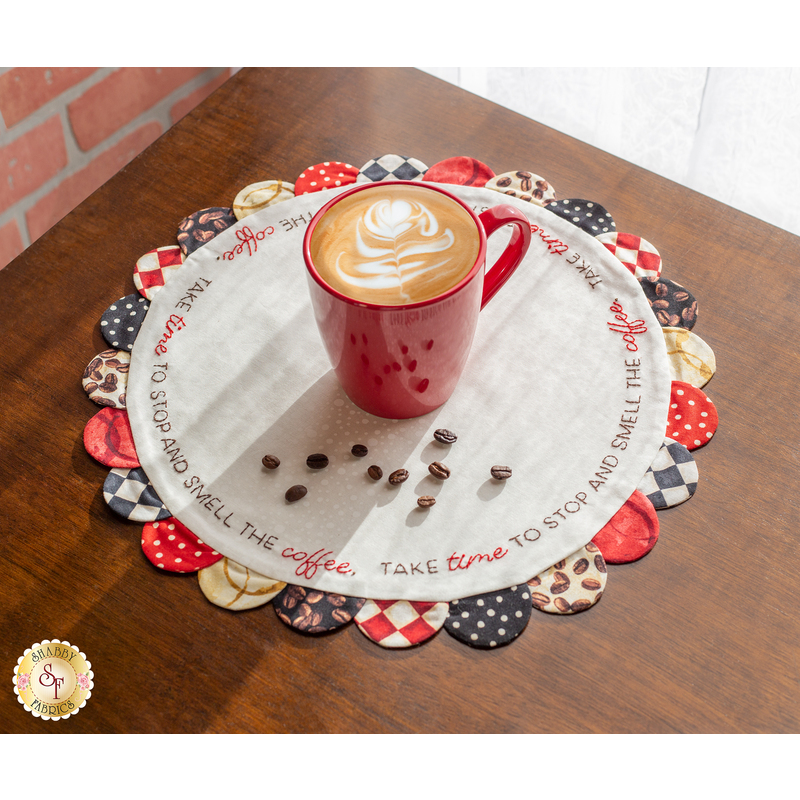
x,y
313,611
673,305
122,320
585,214
491,619
202,226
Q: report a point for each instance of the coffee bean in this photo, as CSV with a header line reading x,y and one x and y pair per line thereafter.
x,y
501,473
375,472
504,181
359,450
539,599
535,581
591,584
560,565
525,184
600,563
581,605
398,477
444,436
426,501
271,462
295,493
562,605
580,566
340,615
439,470
317,461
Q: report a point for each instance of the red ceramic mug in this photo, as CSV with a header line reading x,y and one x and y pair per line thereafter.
x,y
401,361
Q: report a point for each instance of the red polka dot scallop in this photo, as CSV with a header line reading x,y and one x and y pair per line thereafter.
x,y
328,175
171,546
693,418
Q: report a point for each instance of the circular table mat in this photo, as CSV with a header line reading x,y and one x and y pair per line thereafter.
x,y
567,383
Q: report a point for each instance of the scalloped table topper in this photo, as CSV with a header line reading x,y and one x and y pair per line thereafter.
x,y
629,533
205,410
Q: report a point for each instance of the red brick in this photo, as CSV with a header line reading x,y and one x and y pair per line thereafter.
x,y
183,107
24,89
10,243
31,160
120,98
75,189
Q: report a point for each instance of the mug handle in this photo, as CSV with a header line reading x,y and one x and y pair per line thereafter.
x,y
493,219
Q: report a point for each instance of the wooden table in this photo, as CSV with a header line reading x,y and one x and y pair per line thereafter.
x,y
699,636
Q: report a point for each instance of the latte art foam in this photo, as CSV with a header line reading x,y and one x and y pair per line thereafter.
x,y
394,245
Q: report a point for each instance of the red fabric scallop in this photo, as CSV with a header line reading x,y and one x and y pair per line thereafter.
x,y
631,533
693,418
171,546
460,171
107,437
327,175
637,254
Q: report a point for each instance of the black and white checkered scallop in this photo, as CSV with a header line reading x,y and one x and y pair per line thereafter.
x,y
130,494
121,321
587,215
672,477
391,168
491,619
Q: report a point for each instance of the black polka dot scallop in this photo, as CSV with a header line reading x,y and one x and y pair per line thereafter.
x,y
585,214
491,619
122,320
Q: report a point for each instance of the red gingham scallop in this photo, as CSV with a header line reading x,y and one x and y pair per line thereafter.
x,y
692,418
327,175
460,171
154,269
631,533
637,254
400,623
171,546
107,437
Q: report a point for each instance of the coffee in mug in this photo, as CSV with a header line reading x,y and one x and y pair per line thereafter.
x,y
397,275
395,245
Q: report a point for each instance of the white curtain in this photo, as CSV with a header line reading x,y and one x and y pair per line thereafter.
x,y
729,133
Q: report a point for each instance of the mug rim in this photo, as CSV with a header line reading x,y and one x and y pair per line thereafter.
x,y
480,258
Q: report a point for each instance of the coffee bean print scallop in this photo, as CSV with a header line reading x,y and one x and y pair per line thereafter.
x,y
392,167
690,358
122,320
491,619
202,226
589,216
631,533
692,419
572,585
523,185
105,378
313,611
672,477
637,254
673,305
460,171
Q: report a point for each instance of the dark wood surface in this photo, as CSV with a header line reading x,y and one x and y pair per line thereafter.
x,y
700,636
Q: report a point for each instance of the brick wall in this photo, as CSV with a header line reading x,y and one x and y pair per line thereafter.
x,y
64,131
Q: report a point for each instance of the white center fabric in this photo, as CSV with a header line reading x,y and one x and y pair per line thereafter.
x,y
563,385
